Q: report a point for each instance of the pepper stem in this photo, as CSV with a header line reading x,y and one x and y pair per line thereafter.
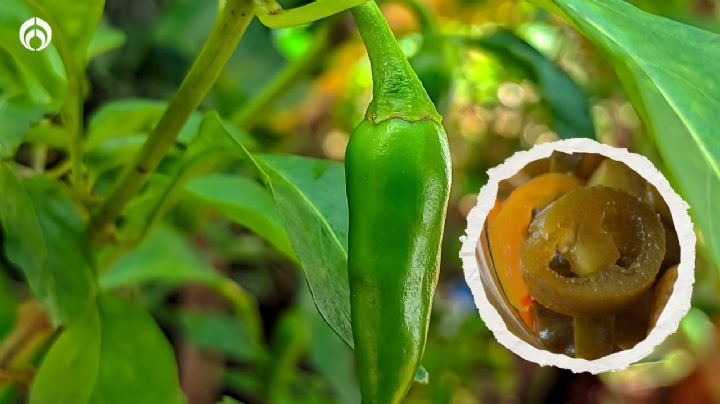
x,y
272,15
397,90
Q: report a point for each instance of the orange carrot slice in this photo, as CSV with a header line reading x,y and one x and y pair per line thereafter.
x,y
508,232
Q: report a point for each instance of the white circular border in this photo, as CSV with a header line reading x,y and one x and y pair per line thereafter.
x,y
677,305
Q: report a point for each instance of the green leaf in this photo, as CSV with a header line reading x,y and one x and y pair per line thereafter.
x,y
44,237
190,20
132,117
8,304
49,134
77,348
310,196
113,153
566,100
16,117
328,353
146,210
289,343
117,131
135,357
106,38
244,380
116,349
203,154
35,76
73,24
10,394
31,83
220,333
671,73
247,203
151,262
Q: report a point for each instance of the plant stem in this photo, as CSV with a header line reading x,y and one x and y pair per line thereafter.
x,y
32,323
71,113
247,116
396,87
243,304
39,158
233,19
272,15
200,164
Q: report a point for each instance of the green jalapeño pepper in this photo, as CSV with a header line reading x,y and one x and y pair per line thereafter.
x,y
398,179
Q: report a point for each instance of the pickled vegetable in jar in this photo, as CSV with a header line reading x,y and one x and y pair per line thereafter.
x,y
584,255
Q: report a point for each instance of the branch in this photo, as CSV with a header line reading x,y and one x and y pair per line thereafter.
x,y
273,16
232,21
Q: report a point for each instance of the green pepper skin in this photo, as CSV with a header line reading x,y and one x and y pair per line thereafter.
x,y
398,180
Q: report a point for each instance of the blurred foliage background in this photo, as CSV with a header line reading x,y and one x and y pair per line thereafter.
x,y
301,91
492,108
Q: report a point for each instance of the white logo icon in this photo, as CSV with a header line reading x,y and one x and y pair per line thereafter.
x,y
35,28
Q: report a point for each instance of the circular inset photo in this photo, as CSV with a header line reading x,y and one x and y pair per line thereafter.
x,y
579,255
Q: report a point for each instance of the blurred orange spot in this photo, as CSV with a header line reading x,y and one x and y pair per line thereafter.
x,y
334,81
401,19
508,231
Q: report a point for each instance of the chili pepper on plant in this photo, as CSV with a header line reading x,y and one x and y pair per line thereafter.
x,y
398,179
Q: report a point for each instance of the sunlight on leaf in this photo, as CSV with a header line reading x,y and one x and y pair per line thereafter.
x,y
670,71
